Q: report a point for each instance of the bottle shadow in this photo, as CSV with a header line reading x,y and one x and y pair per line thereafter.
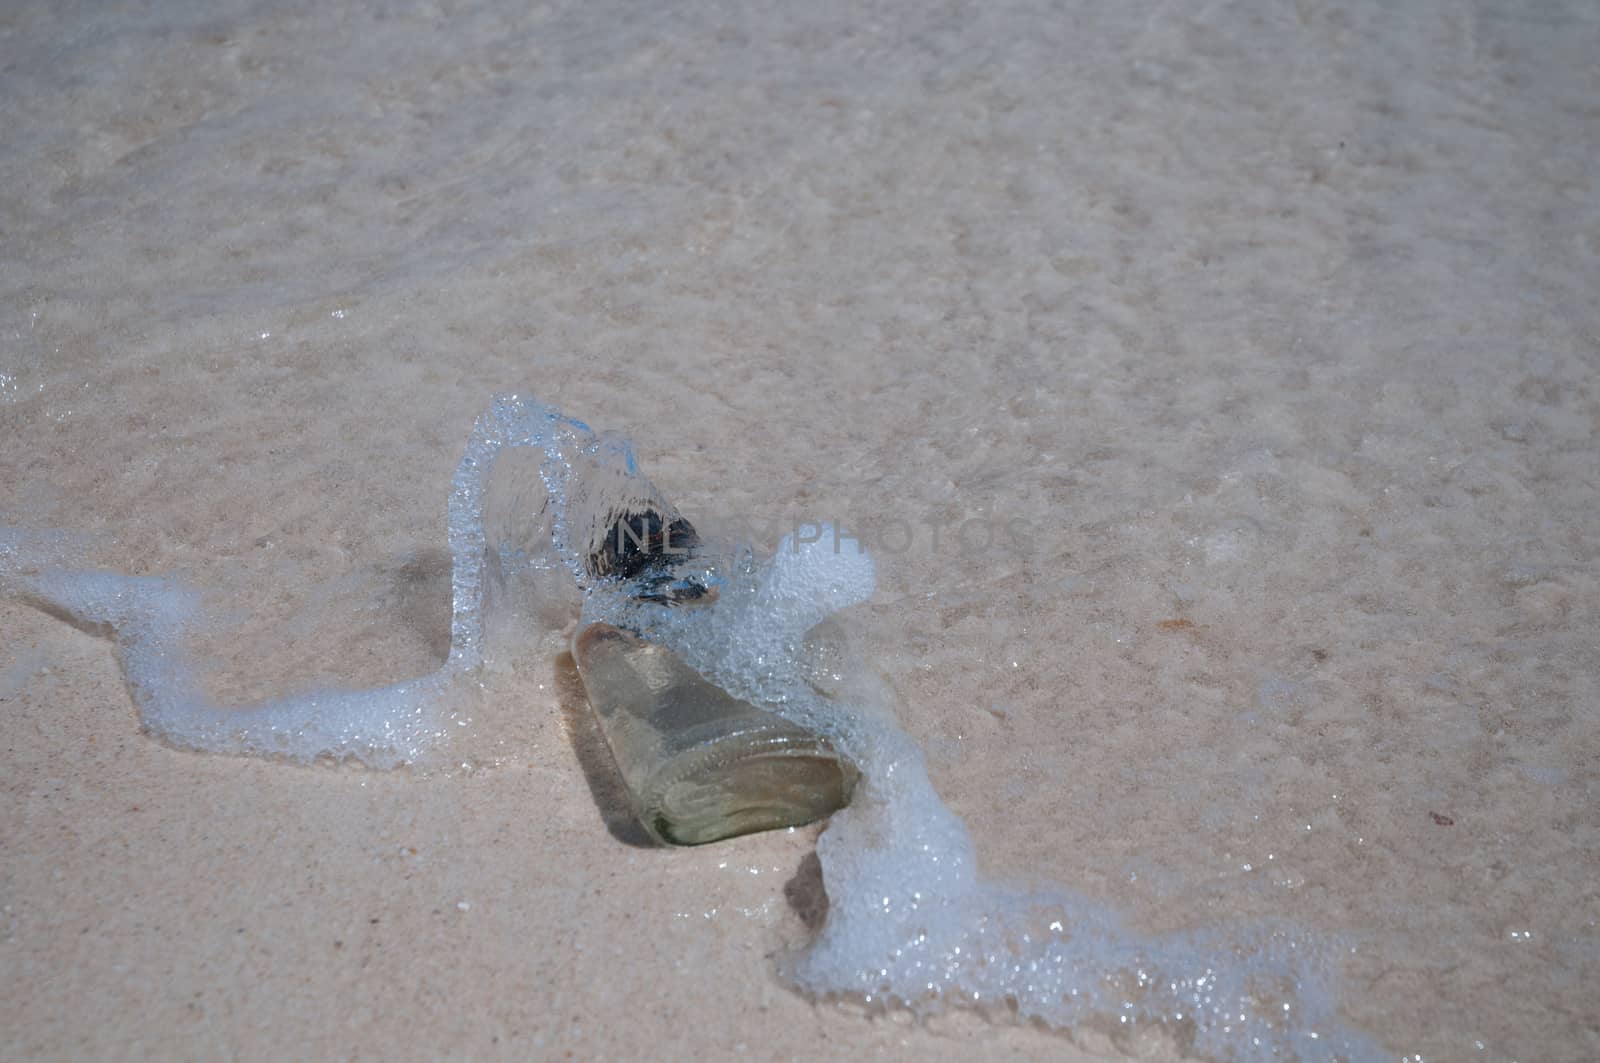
x,y
599,768
419,594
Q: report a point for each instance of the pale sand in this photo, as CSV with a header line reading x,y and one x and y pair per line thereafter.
x,y
1276,324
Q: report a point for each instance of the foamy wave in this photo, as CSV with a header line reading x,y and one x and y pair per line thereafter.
x,y
910,922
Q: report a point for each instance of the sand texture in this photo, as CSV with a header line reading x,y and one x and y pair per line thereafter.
x,y
1231,367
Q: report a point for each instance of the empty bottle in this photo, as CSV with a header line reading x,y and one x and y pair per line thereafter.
x,y
700,764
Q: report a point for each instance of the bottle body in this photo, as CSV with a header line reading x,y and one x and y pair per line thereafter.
x,y
700,764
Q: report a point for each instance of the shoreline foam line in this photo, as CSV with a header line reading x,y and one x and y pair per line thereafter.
x,y
910,922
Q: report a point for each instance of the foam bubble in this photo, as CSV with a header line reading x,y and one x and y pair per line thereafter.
x,y
148,617
911,923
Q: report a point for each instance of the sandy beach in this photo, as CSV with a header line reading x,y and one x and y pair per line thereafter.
x,y
1215,386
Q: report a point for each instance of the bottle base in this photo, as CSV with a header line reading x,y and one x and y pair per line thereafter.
x,y
786,779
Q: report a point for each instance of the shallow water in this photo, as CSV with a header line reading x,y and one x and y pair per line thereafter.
x,y
1260,338
909,922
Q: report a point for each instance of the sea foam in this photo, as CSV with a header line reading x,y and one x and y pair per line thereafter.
x,y
910,924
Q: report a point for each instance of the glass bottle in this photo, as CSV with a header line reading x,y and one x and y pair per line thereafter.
x,y
700,764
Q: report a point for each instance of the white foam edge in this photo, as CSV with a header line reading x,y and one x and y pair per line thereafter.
x,y
910,924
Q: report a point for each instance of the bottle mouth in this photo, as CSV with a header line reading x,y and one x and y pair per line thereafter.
x,y
786,781
647,547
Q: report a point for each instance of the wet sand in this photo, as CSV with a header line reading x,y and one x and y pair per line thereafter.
x,y
1261,339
